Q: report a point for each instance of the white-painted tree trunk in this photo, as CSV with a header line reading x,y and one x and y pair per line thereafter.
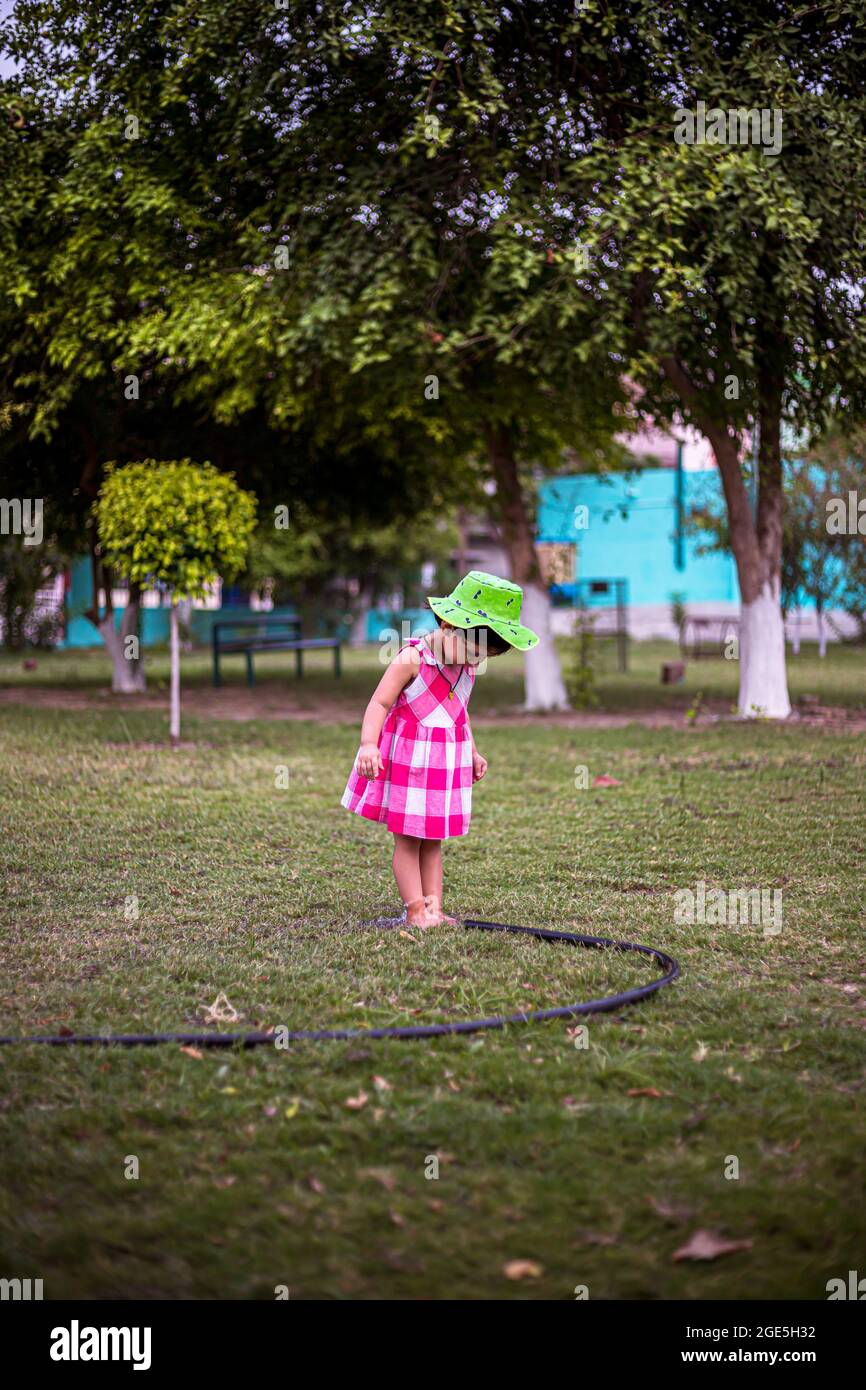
x,y
174,723
822,632
545,688
184,613
127,675
763,677
358,634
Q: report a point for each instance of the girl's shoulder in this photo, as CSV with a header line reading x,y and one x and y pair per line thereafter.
x,y
407,662
416,651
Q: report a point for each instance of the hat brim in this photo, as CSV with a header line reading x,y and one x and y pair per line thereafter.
x,y
515,634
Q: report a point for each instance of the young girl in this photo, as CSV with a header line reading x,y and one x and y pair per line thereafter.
x,y
417,761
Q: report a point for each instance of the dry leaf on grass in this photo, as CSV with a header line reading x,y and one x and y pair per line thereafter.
x,y
522,1269
357,1102
669,1211
605,781
709,1245
595,1238
647,1091
380,1175
193,1052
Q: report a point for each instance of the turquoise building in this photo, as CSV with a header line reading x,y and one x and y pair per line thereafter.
x,y
630,526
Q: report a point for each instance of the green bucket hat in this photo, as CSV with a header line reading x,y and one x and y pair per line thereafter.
x,y
483,600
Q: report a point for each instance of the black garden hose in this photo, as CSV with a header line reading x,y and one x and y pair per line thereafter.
x,y
430,1030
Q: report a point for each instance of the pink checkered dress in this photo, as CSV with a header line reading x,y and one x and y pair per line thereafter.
x,y
426,786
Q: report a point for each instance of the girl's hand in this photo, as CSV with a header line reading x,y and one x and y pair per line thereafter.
x,y
479,766
369,761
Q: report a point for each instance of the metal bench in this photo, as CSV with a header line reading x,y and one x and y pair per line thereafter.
x,y
707,636
267,635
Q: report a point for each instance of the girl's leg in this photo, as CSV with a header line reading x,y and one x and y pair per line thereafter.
x,y
407,867
431,879
431,868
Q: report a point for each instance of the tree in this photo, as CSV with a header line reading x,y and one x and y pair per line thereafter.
x,y
348,562
99,221
730,276
307,142
836,511
328,207
176,524
24,570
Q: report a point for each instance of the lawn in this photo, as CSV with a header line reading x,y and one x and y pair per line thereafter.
x,y
310,1168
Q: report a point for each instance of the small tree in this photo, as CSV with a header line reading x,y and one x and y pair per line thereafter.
x,y
179,524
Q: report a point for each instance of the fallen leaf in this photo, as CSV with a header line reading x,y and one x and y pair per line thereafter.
x,y
357,1102
193,1052
315,1184
409,937
700,1052
292,1110
605,781
381,1084
595,1238
380,1175
396,1218
522,1269
227,1181
646,1091
709,1245
228,1090
669,1211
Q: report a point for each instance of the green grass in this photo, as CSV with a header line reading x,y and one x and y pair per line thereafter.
x,y
256,1173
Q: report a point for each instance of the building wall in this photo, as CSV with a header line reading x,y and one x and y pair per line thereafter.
x,y
629,532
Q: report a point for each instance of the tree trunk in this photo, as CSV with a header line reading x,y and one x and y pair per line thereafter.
x,y
364,601
184,614
544,688
174,722
756,543
763,678
127,668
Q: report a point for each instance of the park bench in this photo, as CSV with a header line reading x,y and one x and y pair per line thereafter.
x,y
267,635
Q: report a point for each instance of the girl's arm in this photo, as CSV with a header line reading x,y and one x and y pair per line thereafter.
x,y
403,669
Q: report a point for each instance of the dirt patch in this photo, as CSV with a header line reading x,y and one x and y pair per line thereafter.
x,y
241,705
